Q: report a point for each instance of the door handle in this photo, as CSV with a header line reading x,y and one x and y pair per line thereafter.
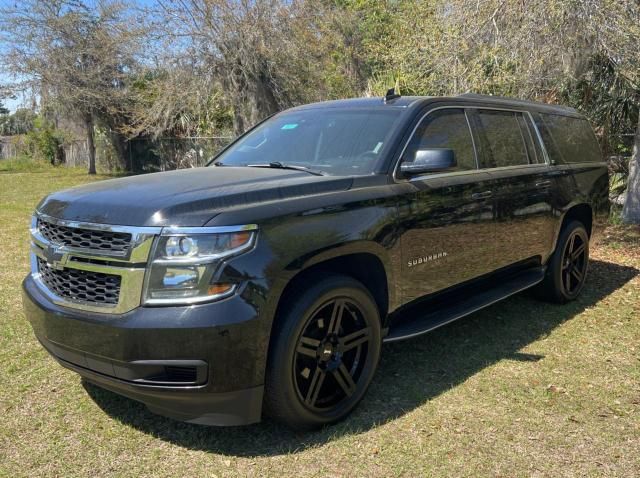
x,y
543,184
482,195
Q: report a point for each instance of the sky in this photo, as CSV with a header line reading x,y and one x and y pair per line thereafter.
x,y
20,100
25,101
12,104
5,78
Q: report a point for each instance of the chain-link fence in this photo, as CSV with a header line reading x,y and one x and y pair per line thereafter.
x,y
139,155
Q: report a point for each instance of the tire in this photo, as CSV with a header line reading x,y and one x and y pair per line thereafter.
x,y
319,368
567,268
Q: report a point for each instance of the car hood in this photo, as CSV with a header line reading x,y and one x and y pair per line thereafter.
x,y
188,197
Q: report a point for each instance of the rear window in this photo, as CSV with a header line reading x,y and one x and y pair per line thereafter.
x,y
568,139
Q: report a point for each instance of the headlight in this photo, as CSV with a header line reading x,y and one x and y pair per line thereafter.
x,y
184,262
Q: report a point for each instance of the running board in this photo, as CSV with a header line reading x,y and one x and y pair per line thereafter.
x,y
451,310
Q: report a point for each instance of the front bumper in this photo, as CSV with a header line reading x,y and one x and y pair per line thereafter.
x,y
224,344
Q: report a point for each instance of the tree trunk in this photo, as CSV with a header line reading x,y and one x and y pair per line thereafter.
x,y
119,145
631,209
60,155
238,120
253,98
91,146
265,101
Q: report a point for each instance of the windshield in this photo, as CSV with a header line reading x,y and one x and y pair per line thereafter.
x,y
332,141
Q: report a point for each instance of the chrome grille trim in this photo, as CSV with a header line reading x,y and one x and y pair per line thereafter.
x,y
138,250
129,265
109,242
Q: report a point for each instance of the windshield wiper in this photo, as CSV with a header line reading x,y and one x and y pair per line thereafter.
x,y
279,165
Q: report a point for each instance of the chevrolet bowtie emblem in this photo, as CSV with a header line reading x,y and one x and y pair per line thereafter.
x,y
55,257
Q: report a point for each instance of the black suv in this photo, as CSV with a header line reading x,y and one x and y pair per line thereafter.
x,y
271,278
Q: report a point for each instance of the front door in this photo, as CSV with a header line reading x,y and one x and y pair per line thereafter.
x,y
446,218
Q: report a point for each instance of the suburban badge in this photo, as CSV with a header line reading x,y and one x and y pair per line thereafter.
x,y
424,259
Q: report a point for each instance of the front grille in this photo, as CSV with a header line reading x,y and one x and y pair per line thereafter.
x,y
90,239
84,286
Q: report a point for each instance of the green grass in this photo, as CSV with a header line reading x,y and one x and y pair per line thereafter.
x,y
522,388
23,165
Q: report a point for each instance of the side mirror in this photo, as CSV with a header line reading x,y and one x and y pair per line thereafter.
x,y
429,161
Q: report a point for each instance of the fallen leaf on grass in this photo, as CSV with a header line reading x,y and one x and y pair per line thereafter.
x,y
555,389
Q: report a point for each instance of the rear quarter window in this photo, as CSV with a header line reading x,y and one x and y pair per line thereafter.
x,y
568,139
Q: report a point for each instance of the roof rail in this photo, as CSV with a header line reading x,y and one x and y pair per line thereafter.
x,y
537,104
488,97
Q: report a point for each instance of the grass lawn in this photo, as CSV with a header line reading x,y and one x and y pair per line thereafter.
x,y
522,388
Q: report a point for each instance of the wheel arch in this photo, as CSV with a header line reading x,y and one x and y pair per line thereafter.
x,y
580,211
365,262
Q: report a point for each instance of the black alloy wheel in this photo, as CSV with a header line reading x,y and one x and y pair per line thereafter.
x,y
331,354
567,267
324,353
574,263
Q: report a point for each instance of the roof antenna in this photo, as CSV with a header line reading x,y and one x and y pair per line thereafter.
x,y
391,95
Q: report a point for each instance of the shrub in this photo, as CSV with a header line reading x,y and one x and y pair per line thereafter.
x,y
44,142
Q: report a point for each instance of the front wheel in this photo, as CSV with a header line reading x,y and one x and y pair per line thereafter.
x,y
567,268
323,354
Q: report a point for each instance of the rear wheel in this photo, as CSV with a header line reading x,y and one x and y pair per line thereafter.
x,y
324,352
567,268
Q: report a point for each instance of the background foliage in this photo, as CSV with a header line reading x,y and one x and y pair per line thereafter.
x,y
193,68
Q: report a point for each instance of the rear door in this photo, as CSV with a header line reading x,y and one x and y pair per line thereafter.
x,y
446,218
511,153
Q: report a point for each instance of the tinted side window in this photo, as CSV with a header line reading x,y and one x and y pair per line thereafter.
x,y
505,140
549,143
447,128
568,139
